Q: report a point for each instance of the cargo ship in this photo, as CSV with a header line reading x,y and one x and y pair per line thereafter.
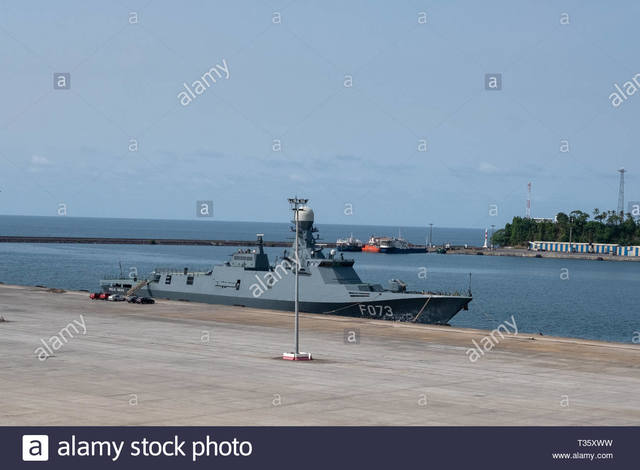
x,y
391,245
349,244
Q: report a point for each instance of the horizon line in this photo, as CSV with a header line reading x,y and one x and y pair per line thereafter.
x,y
208,219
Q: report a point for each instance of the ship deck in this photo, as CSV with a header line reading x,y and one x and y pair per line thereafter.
x,y
153,365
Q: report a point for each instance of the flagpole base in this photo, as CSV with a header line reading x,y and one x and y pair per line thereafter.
x,y
290,356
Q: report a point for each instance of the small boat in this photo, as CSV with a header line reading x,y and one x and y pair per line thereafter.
x,y
349,244
373,245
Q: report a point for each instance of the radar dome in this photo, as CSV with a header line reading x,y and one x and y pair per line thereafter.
x,y
305,214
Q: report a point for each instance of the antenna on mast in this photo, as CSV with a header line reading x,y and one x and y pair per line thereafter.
x,y
622,171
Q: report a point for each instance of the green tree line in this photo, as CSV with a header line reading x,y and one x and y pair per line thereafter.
x,y
603,227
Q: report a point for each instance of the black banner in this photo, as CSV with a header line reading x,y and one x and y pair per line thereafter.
x,y
320,447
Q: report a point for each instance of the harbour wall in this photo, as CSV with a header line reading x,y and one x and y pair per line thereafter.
x,y
452,250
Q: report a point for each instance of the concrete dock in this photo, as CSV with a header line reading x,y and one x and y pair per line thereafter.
x,y
176,363
525,253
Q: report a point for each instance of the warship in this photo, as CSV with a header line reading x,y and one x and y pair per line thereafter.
x,y
328,283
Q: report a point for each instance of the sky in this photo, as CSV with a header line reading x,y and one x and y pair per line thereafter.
x,y
376,111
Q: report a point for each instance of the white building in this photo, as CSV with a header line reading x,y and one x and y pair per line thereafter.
x,y
595,248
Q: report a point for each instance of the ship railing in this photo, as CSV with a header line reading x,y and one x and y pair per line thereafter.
x,y
177,271
449,293
109,276
168,270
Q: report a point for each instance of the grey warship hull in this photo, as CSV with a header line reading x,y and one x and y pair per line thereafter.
x,y
418,307
327,285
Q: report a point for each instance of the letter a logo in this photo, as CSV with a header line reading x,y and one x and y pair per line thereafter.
x,y
35,447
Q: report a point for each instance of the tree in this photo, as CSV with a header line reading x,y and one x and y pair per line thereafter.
x,y
606,227
499,237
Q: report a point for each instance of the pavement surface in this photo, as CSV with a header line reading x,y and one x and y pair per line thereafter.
x,y
179,363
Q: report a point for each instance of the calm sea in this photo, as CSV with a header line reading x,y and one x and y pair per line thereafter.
x,y
204,229
598,300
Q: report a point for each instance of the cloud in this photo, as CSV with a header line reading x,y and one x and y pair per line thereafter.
x,y
39,160
206,153
38,163
348,158
488,168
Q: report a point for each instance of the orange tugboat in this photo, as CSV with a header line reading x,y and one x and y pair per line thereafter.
x,y
373,245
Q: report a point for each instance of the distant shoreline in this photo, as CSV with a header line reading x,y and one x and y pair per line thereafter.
x,y
525,253
454,250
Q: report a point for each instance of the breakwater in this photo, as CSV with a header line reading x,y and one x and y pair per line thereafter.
x,y
141,241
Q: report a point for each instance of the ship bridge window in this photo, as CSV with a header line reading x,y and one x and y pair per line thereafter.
x,y
168,279
371,288
189,280
340,275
